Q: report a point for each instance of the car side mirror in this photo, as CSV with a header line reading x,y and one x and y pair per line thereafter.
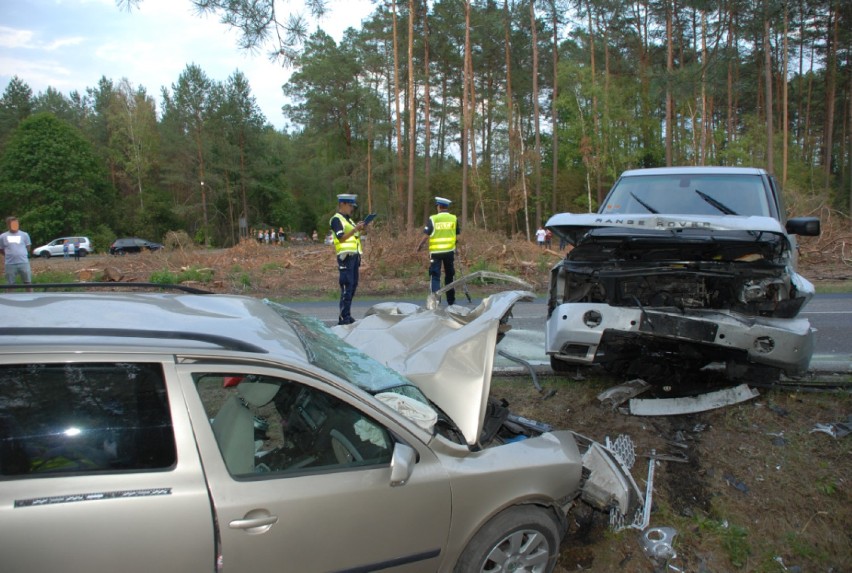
x,y
402,464
805,226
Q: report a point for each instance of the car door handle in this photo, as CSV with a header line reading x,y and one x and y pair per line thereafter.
x,y
261,523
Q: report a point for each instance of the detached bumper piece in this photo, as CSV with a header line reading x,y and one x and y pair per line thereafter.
x,y
609,485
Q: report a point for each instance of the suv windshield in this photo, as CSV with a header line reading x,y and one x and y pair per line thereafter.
x,y
689,194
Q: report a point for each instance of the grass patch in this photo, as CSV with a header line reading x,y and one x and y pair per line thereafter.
x,y
54,277
732,538
192,274
834,287
270,267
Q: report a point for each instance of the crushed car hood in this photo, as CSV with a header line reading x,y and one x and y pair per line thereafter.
x,y
764,233
448,353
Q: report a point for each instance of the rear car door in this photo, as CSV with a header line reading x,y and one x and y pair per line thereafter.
x,y
299,473
98,470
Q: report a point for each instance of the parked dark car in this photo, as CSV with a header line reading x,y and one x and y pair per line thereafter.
x,y
132,245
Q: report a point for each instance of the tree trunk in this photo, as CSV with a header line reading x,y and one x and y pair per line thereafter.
x,y
536,116
770,163
465,112
669,72
412,119
705,117
553,115
784,120
427,126
830,88
399,150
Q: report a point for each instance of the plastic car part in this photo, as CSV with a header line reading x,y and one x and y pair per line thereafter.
x,y
692,404
609,485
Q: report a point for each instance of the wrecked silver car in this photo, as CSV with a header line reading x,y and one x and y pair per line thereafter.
x,y
255,436
682,267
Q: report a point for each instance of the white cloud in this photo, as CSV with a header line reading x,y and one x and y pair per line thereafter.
x,y
12,38
71,44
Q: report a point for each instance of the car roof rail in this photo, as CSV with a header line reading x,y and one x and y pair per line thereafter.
x,y
224,342
112,285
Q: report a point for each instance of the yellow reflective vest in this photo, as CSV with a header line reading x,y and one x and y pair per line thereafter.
x,y
350,245
443,237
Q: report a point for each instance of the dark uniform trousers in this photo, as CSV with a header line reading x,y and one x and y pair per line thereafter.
x,y
347,265
447,260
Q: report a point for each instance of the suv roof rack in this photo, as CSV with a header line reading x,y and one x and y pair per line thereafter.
x,y
101,285
224,342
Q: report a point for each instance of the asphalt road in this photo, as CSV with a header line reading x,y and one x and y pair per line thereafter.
x,y
830,315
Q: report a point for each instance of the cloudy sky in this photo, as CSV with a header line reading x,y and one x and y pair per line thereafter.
x,y
71,44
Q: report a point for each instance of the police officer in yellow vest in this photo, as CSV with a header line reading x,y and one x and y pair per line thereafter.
x,y
442,230
347,247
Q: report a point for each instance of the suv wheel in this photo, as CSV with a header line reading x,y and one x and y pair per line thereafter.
x,y
524,538
44,254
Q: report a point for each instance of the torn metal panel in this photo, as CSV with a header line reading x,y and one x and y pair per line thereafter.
x,y
448,353
617,395
692,404
836,429
433,301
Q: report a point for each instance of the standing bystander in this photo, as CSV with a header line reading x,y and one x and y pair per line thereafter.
x,y
540,236
15,245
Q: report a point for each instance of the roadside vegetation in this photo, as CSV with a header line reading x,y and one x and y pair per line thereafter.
x,y
513,110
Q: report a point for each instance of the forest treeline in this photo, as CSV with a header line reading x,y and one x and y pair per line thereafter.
x,y
515,110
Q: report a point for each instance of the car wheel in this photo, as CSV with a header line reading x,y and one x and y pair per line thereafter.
x,y
559,366
523,538
83,252
44,254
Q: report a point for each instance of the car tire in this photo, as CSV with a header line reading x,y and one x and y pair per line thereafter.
x,y
44,254
83,252
559,366
522,538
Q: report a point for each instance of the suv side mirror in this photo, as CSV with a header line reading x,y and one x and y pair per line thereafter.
x,y
805,226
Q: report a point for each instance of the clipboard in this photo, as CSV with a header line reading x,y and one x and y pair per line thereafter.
x,y
369,218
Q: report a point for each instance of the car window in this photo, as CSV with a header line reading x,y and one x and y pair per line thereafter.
x,y
694,194
59,419
278,426
331,353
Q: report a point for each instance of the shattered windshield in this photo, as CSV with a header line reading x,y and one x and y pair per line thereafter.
x,y
689,194
329,352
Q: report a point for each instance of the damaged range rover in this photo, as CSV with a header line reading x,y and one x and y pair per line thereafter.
x,y
680,268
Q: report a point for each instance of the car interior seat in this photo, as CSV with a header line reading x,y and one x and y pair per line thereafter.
x,y
233,425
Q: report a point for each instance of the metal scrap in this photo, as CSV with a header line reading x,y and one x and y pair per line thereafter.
x,y
617,395
836,429
692,404
658,544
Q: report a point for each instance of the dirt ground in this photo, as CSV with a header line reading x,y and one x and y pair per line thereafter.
x,y
756,491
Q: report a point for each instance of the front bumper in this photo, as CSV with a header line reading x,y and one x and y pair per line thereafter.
x,y
574,333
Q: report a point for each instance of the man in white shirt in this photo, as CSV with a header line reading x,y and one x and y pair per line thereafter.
x,y
539,236
15,246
